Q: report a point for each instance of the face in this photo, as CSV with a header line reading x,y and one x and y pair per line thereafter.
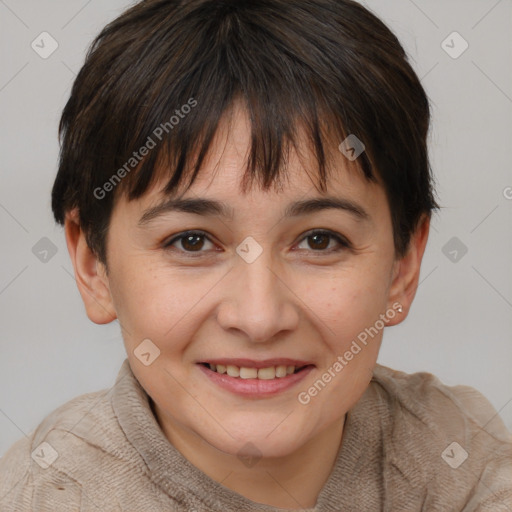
x,y
266,286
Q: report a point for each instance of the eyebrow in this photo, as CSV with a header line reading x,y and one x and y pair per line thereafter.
x,y
210,207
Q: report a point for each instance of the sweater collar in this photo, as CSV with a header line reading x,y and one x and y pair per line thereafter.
x,y
354,472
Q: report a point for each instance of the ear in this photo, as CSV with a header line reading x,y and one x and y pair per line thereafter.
x,y
406,272
90,273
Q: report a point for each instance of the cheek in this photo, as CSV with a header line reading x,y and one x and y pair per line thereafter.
x,y
349,297
160,303
346,311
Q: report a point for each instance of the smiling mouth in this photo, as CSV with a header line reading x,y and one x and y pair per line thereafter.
x,y
268,373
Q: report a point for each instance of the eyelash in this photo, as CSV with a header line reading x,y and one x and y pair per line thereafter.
x,y
344,244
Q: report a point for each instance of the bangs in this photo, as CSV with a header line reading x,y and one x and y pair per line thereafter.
x,y
158,80
184,95
177,157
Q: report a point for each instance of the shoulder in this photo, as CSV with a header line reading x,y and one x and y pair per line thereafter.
x,y
45,468
449,436
439,406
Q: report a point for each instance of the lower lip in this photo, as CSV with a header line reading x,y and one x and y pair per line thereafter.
x,y
255,388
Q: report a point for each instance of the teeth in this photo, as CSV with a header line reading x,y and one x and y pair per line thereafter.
x,y
233,371
248,373
281,371
269,373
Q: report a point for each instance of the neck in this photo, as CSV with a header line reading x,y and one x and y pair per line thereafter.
x,y
289,482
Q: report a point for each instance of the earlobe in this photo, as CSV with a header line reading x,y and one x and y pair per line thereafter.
x,y
406,272
90,277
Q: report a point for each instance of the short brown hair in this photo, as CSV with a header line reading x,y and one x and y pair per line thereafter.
x,y
330,66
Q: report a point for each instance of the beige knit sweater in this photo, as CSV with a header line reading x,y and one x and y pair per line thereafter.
x,y
397,455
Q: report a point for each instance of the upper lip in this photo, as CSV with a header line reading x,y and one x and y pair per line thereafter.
x,y
251,363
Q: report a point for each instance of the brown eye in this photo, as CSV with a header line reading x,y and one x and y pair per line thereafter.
x,y
191,242
319,241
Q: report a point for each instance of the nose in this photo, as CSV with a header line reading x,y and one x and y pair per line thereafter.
x,y
259,302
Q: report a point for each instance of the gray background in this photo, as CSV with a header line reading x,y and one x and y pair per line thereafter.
x,y
460,324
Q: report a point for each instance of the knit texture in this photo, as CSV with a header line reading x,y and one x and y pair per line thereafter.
x,y
113,456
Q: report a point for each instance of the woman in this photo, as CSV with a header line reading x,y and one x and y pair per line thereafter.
x,y
245,187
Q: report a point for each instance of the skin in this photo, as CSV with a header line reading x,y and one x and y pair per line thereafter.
x,y
296,300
